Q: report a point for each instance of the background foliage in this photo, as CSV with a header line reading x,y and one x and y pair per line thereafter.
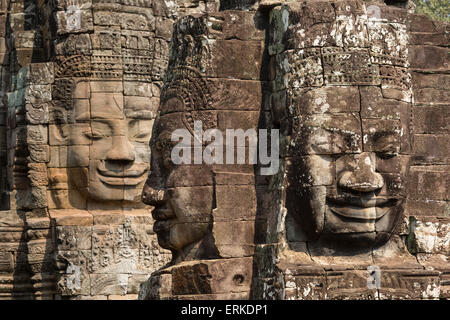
x,y
436,9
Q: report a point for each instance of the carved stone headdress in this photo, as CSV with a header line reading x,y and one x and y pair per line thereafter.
x,y
341,49
186,77
73,69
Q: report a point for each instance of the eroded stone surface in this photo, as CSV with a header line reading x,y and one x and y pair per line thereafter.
x,y
357,210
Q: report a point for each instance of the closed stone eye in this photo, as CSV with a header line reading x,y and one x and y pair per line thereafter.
x,y
142,137
94,135
385,145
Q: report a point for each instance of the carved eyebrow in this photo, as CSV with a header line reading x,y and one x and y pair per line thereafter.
x,y
133,121
108,122
142,113
103,117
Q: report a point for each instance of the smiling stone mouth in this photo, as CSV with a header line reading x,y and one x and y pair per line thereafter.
x,y
162,213
121,178
360,208
162,226
164,218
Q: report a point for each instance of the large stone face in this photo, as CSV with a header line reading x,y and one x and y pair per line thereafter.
x,y
348,151
345,97
206,210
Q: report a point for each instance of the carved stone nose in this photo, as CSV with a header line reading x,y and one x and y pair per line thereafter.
x,y
363,178
152,196
121,150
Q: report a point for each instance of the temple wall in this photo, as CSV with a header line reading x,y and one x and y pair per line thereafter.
x,y
427,204
26,271
62,236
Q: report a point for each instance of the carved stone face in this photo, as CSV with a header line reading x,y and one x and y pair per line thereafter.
x,y
343,83
199,75
108,142
346,176
181,194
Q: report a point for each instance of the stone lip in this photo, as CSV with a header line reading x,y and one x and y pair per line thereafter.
x,y
122,174
359,208
162,212
128,177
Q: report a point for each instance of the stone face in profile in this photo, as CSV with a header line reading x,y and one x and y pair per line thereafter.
x,y
183,204
342,92
183,209
186,197
205,212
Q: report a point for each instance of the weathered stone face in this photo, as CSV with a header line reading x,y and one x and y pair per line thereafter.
x,y
192,200
80,89
346,179
100,136
342,90
81,84
116,149
183,208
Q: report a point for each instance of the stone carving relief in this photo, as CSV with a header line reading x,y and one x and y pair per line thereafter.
x,y
183,214
105,104
335,216
78,131
101,136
